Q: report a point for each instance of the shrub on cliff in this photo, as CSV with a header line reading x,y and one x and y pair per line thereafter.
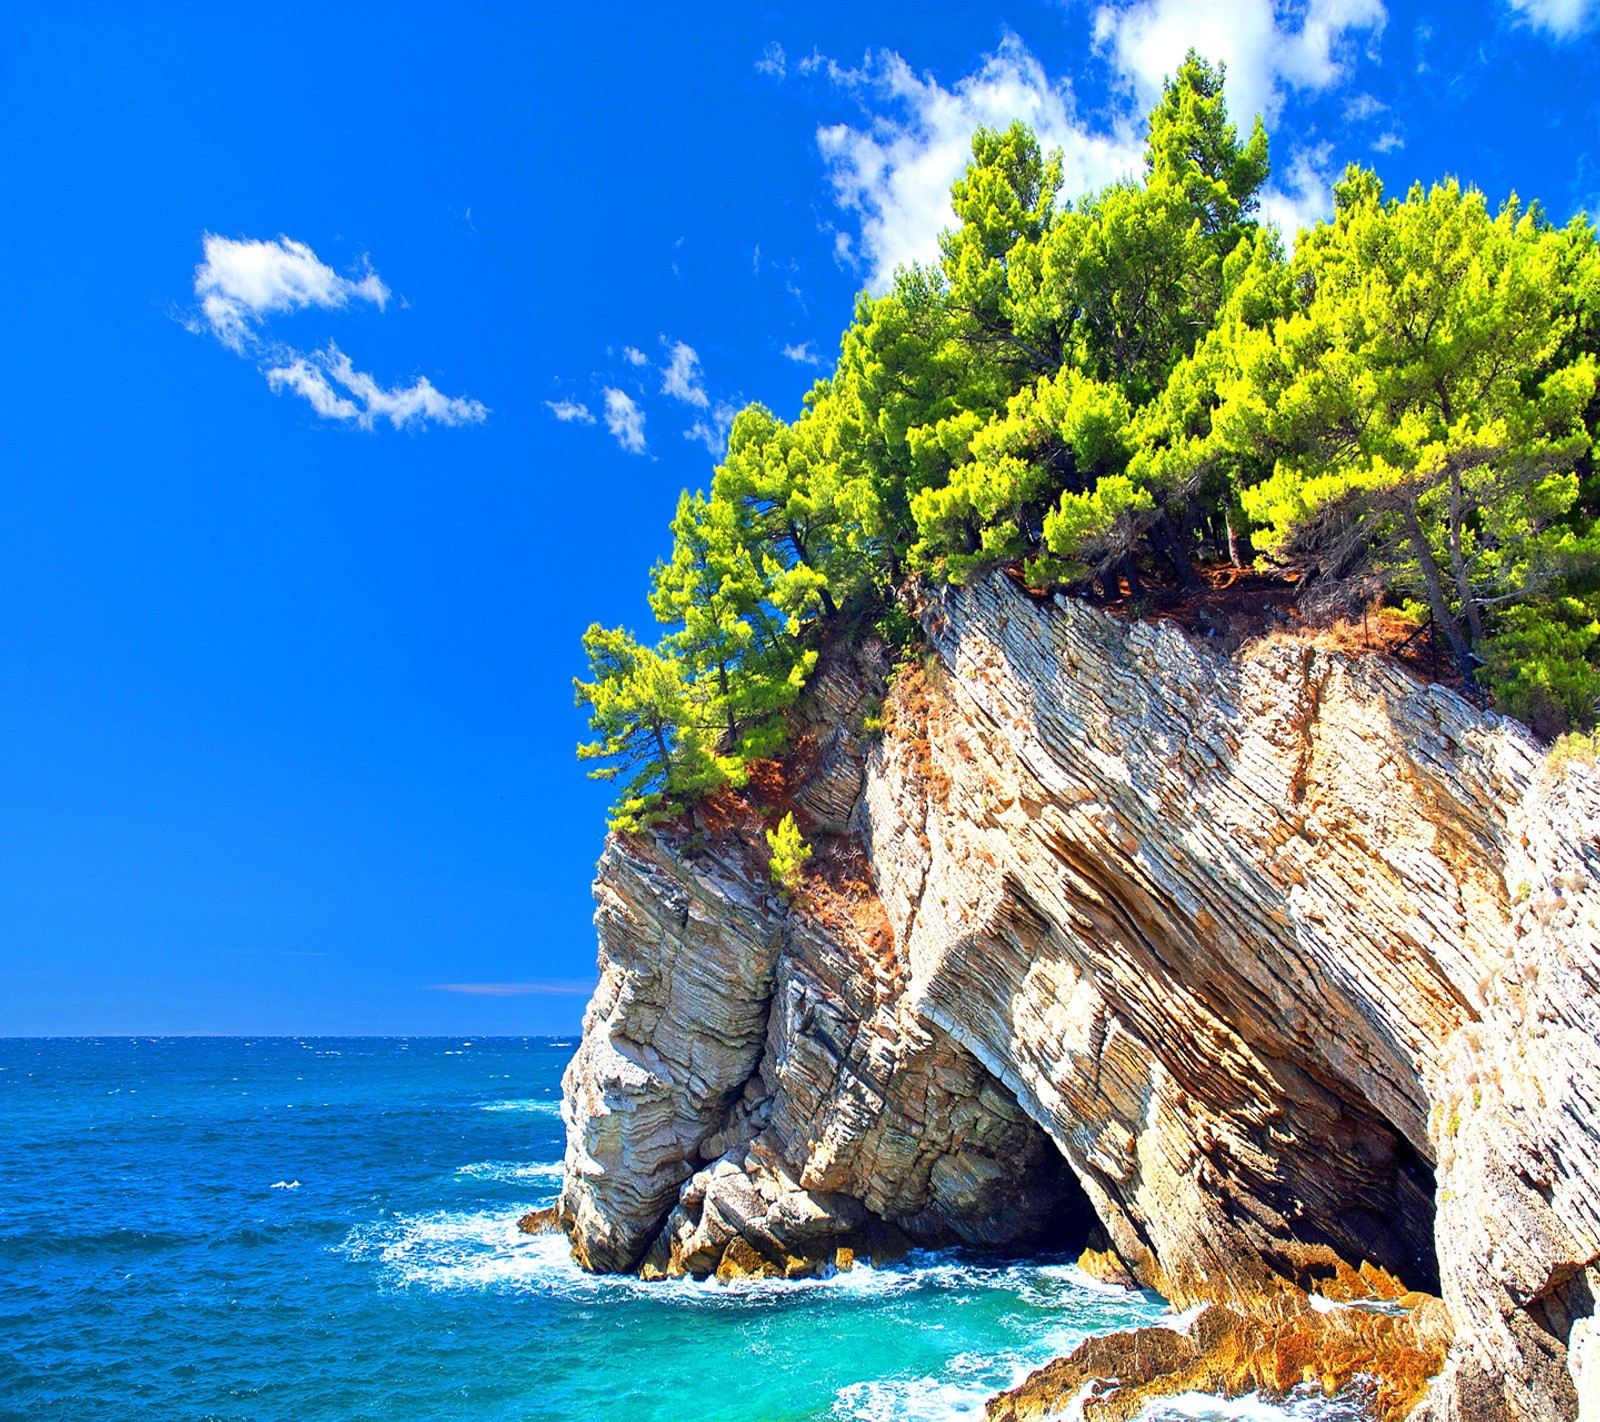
x,y
789,855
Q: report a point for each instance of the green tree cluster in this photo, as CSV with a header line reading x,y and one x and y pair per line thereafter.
x,y
1115,388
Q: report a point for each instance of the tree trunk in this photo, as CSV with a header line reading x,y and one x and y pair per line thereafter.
x,y
1442,615
799,545
727,705
1458,562
1176,548
1131,573
1239,550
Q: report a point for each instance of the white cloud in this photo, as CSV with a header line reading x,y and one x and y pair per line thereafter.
x,y
568,410
1560,19
802,354
241,282
625,420
896,173
1146,42
1302,194
308,381
1388,142
773,61
713,432
634,356
680,377
364,400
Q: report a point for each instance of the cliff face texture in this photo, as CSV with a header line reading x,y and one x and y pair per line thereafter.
x,y
1255,969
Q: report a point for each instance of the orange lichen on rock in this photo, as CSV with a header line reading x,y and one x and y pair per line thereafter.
x,y
1280,1345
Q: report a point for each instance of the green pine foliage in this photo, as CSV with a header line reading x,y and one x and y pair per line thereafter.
x,y
789,855
1123,385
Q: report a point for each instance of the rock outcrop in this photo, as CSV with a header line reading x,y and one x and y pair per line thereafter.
x,y
1250,969
1274,1349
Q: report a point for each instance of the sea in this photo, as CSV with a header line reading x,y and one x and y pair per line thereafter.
x,y
324,1230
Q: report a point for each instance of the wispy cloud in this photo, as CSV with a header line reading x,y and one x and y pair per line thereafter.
x,y
1302,194
713,431
364,401
625,420
1560,19
570,410
626,404
773,61
240,283
556,987
895,173
802,354
680,377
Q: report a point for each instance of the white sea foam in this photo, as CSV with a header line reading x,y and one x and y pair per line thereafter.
x,y
454,1250
285,1184
1306,1404
484,1248
530,1104
922,1399
958,1393
505,1172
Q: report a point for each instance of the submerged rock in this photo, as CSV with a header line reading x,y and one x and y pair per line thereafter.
x,y
1271,973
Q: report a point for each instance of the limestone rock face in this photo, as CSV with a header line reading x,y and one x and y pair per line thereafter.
x,y
1266,966
671,1038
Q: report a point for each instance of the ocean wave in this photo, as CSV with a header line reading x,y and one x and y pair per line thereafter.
x,y
285,1184
506,1172
530,1104
453,1250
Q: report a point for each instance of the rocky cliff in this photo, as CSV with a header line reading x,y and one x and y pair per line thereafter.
x,y
1259,973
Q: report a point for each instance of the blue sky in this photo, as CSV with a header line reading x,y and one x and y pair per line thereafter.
x,y
357,355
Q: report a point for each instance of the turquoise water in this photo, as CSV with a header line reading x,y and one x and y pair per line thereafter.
x,y
324,1229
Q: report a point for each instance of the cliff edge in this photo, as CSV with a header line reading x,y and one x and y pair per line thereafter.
x,y
1258,975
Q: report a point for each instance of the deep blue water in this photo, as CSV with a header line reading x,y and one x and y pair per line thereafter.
x,y
324,1231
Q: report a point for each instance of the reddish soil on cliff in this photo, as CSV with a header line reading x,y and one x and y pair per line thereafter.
x,y
1238,605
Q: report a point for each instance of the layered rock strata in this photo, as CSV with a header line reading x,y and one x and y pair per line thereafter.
x,y
1267,966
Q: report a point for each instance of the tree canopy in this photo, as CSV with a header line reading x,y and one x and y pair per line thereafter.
x,y
1121,386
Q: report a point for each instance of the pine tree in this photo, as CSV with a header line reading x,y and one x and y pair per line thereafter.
x,y
645,712
1415,397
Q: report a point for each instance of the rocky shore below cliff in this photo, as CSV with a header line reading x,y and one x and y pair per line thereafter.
x,y
1269,979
